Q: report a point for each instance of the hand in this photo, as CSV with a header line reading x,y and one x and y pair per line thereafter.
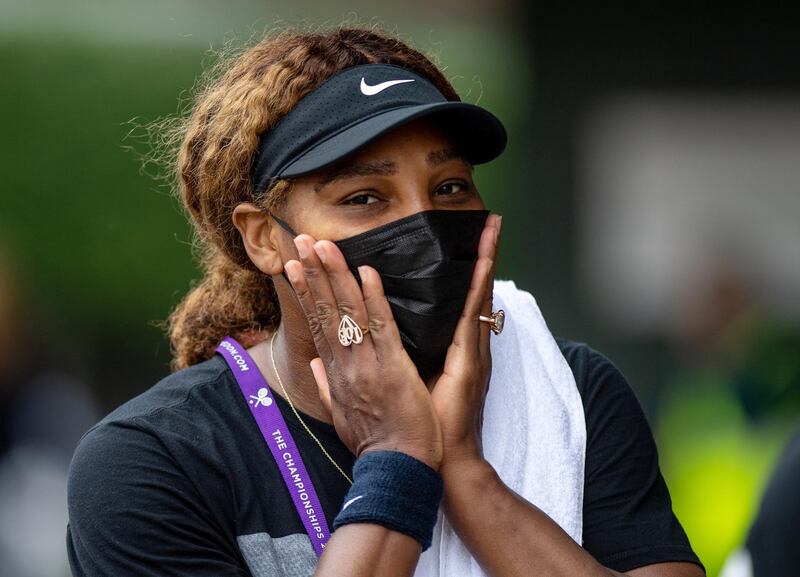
x,y
460,391
372,389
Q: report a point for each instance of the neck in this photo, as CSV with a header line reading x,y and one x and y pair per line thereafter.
x,y
293,349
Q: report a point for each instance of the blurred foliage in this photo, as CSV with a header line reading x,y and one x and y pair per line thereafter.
x,y
767,378
99,243
721,427
716,464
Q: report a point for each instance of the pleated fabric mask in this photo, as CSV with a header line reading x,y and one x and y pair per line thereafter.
x,y
425,262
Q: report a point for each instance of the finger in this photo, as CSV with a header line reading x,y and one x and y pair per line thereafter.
x,y
466,336
347,294
488,247
294,270
488,240
382,327
484,331
476,337
321,377
326,315
495,253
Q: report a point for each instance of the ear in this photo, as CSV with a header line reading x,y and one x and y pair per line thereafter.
x,y
257,232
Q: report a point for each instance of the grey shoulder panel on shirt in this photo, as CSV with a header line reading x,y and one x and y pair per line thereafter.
x,y
267,556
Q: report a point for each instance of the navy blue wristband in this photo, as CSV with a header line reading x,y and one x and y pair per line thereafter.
x,y
394,490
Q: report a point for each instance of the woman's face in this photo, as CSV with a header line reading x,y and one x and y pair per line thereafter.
x,y
413,168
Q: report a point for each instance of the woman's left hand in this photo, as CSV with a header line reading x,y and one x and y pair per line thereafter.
x,y
460,391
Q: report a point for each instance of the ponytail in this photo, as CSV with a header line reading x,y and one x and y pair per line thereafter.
x,y
229,300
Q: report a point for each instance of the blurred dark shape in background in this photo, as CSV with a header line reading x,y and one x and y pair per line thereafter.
x,y
773,541
650,191
774,538
44,410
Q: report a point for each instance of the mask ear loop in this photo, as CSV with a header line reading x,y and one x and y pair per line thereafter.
x,y
285,226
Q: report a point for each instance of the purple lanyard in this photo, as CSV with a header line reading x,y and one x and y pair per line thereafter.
x,y
279,440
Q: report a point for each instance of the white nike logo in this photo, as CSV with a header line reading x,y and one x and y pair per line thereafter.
x,y
351,501
368,90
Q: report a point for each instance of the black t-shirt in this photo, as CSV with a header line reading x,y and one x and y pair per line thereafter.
x,y
178,481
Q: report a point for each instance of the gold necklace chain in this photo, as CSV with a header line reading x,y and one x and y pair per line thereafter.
x,y
296,414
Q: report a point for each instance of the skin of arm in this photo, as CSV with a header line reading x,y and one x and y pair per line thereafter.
x,y
368,549
510,536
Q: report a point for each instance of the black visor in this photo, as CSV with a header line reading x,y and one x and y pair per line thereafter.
x,y
354,108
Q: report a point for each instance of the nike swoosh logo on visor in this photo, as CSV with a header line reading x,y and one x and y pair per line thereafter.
x,y
368,90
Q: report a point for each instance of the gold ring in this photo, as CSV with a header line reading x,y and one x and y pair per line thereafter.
x,y
350,332
496,321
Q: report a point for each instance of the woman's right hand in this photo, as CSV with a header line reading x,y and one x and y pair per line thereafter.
x,y
372,389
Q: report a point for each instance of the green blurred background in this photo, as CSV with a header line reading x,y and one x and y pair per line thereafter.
x,y
95,250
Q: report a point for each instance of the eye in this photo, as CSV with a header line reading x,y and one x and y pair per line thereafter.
x,y
453,187
361,199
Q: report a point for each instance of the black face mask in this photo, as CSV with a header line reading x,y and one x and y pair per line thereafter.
x,y
425,262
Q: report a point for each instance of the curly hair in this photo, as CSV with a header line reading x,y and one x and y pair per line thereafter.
x,y
219,140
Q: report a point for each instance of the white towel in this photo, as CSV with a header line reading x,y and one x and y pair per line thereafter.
x,y
534,431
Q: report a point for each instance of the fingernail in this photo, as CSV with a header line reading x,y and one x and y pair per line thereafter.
x,y
302,247
320,250
362,272
288,268
499,221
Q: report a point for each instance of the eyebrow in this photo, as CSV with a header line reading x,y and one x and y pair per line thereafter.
x,y
383,167
375,167
438,157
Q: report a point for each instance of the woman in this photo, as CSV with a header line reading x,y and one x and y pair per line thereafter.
x,y
349,295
